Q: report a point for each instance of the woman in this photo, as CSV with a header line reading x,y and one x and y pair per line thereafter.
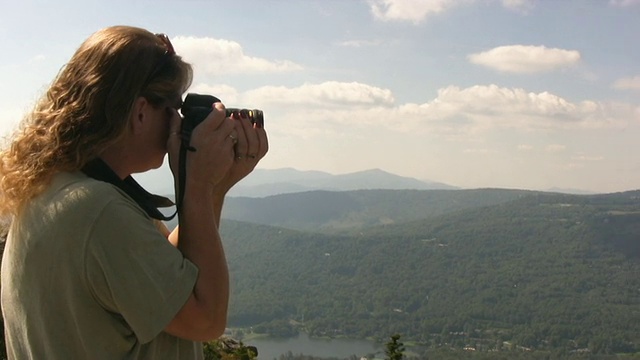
x,y
87,273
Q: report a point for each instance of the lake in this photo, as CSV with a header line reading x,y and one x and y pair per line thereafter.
x,y
272,348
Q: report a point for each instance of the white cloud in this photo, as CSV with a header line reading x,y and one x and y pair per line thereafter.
x,y
587,158
632,83
327,94
553,148
213,56
525,147
477,151
456,113
525,59
518,5
359,43
574,166
624,3
582,161
416,11
37,59
480,106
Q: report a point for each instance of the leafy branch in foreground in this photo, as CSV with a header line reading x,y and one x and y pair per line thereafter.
x,y
229,349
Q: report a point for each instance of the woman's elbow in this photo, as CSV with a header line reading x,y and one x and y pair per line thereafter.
x,y
198,323
213,332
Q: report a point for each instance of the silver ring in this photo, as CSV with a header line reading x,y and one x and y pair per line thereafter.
x,y
233,138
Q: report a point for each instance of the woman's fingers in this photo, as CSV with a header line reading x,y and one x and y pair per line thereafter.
x,y
252,140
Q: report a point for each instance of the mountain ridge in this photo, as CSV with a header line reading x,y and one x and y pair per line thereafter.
x,y
266,182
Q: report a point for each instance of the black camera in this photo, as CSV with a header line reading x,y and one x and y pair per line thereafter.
x,y
196,107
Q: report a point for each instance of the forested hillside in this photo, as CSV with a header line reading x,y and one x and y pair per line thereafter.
x,y
327,211
541,272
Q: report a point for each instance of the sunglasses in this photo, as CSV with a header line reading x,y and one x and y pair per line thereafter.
x,y
168,53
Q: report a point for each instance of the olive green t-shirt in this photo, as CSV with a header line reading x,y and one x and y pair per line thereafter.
x,y
87,275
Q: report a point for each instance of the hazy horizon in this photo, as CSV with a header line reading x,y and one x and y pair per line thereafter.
x,y
159,181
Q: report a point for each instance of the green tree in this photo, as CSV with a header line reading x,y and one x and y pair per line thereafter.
x,y
228,349
395,348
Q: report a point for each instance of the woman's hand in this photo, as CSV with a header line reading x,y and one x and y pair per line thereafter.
x,y
251,147
213,153
213,140
227,149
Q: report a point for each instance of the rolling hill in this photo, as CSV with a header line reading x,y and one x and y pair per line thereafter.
x,y
355,210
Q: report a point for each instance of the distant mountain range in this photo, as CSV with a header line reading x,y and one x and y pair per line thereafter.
x,y
268,182
264,182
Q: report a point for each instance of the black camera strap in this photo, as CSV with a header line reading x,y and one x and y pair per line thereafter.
x,y
150,203
182,169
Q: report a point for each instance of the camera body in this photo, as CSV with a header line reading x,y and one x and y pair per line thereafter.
x,y
196,107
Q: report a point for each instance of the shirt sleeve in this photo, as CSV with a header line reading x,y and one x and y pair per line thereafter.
x,y
134,271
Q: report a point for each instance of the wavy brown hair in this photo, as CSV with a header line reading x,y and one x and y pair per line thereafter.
x,y
87,108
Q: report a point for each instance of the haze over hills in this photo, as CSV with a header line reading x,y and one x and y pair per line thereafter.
x,y
263,182
268,182
330,211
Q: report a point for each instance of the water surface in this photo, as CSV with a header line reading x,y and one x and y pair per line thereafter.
x,y
272,348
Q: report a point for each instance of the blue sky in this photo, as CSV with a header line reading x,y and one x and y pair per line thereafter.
x,y
474,93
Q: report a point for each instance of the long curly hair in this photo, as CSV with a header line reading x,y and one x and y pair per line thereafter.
x,y
87,108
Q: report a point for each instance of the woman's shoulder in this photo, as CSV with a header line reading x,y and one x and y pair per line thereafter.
x,y
74,201
81,190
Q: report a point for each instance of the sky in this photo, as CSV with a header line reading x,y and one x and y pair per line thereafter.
x,y
527,94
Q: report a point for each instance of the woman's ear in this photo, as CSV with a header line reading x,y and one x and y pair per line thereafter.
x,y
138,116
